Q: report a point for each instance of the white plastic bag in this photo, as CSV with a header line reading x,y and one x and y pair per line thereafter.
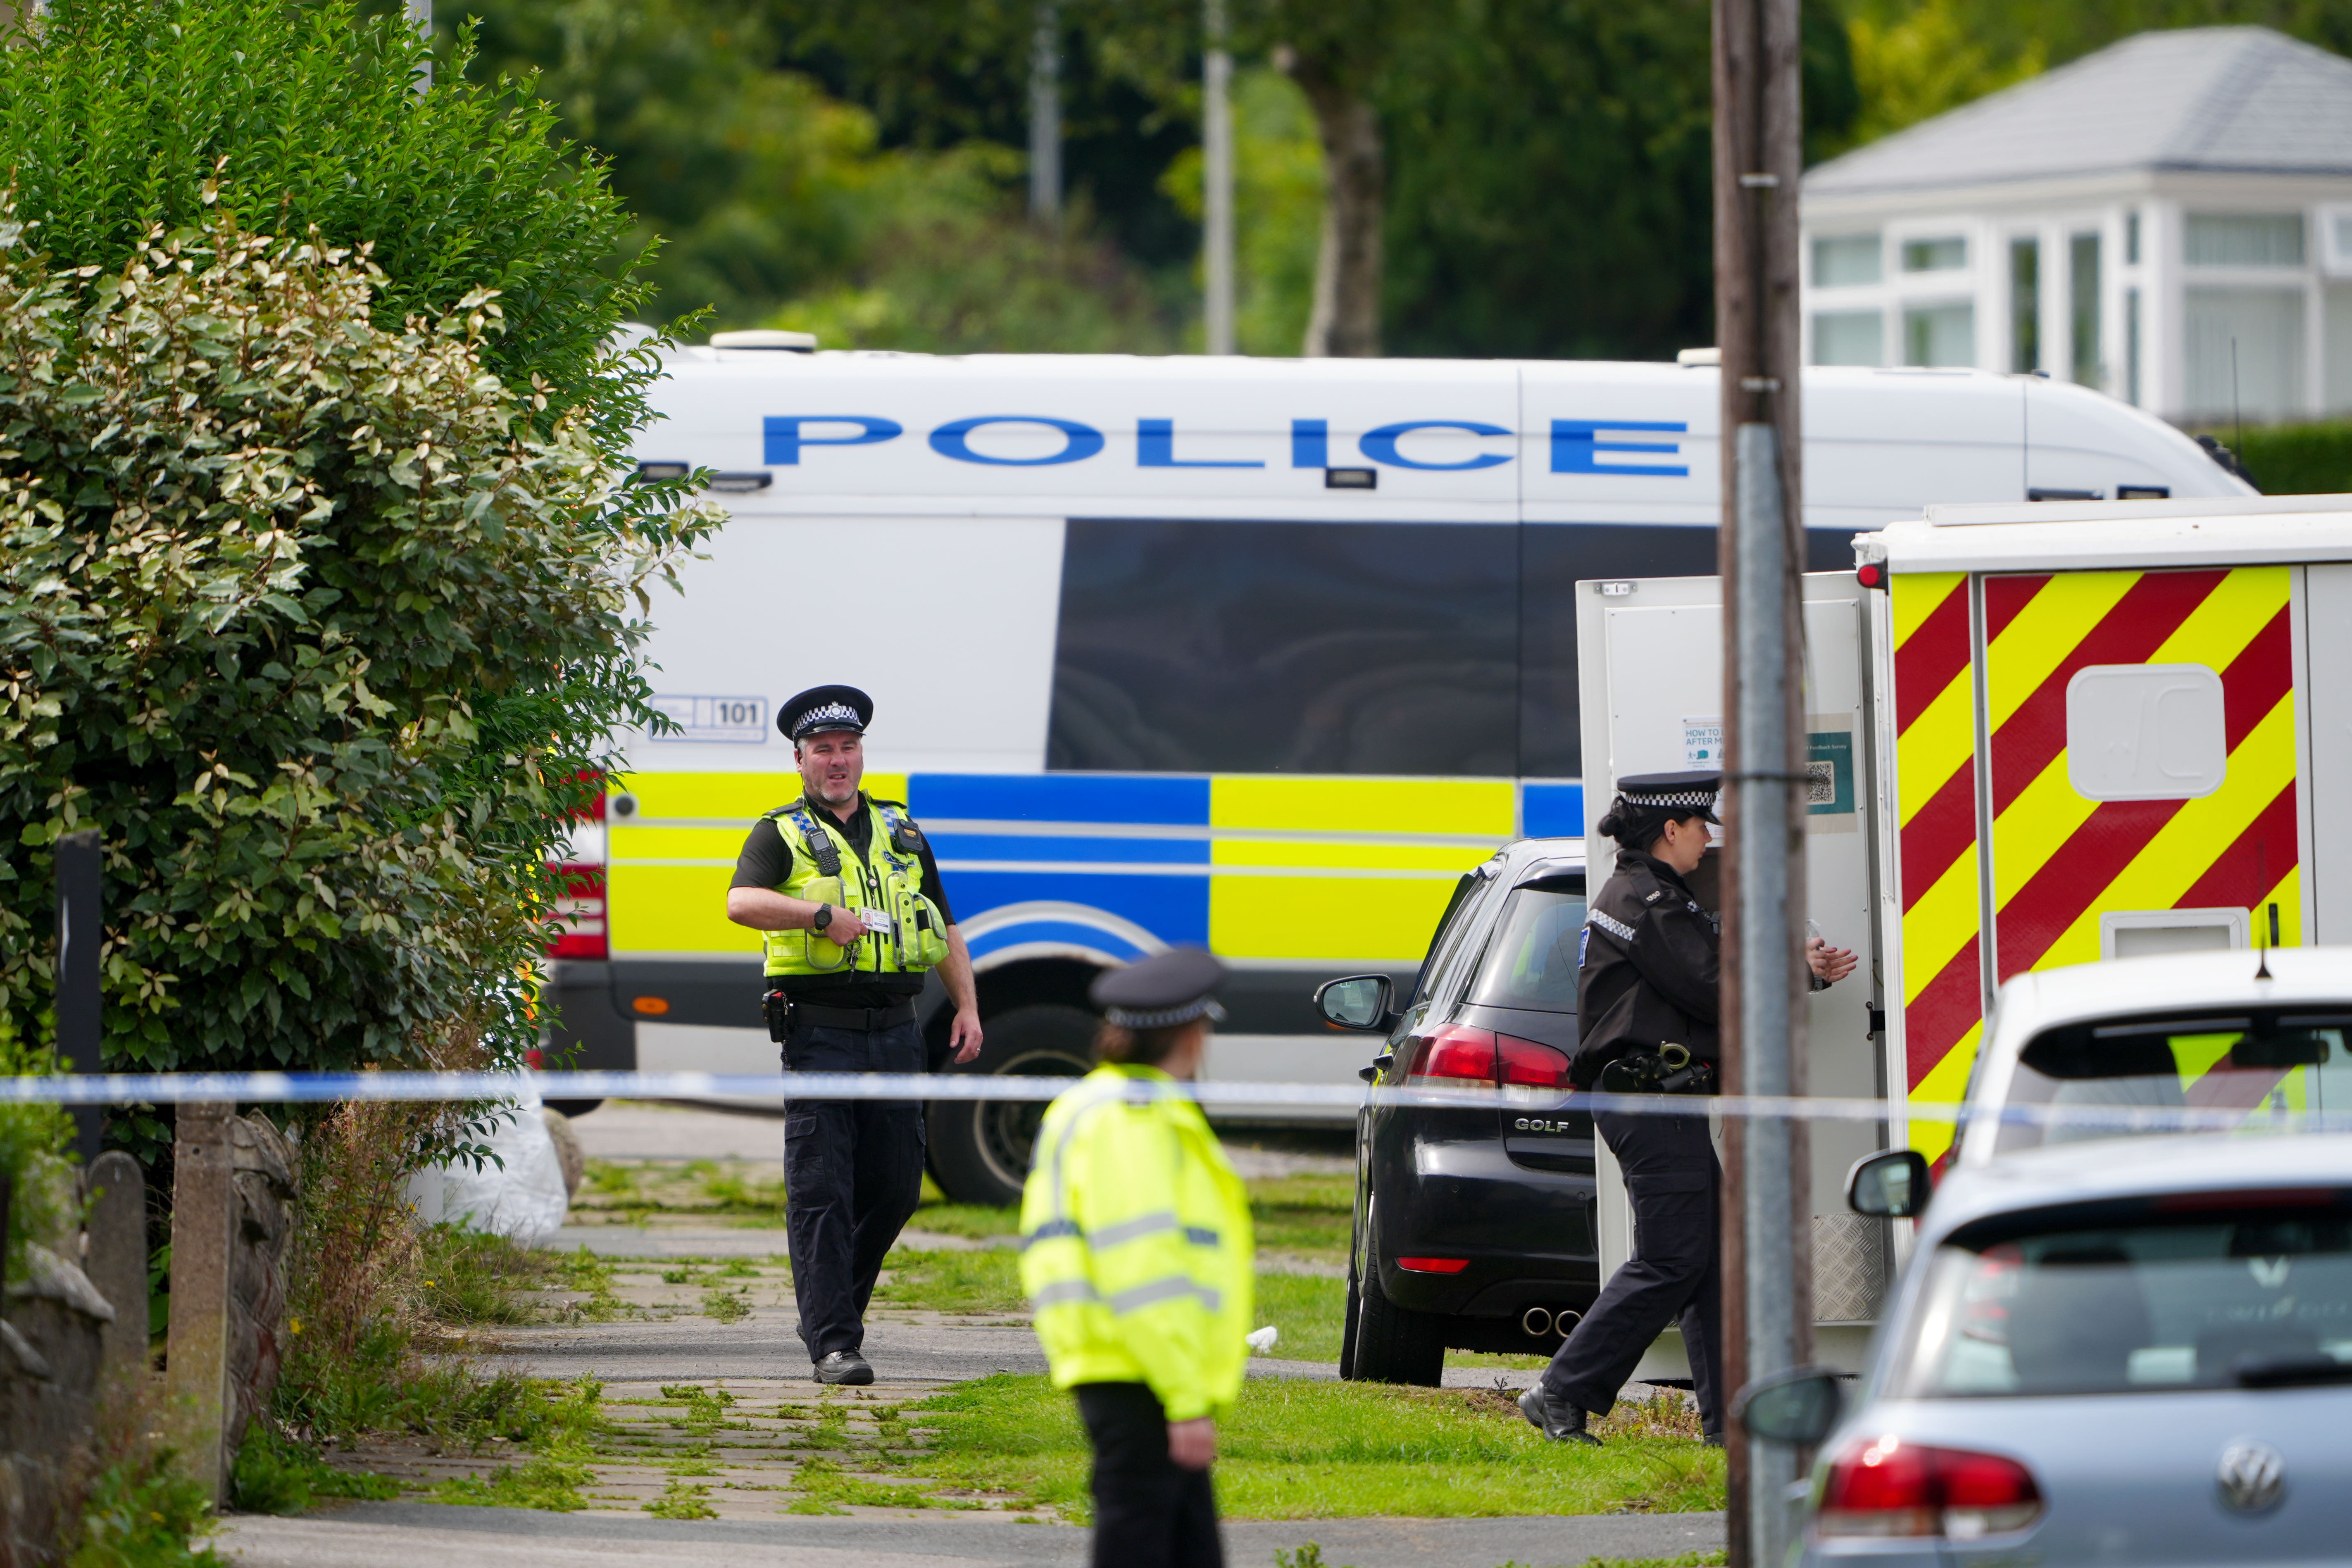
x,y
522,1199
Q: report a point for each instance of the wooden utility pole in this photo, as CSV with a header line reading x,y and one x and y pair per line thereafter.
x,y
1766,1232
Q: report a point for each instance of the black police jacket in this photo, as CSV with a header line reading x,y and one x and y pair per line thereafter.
x,y
1648,973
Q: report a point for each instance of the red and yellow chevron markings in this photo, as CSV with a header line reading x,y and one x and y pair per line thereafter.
x,y
1935,769
2059,861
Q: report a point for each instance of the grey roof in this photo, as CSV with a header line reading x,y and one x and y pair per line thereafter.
x,y
2235,99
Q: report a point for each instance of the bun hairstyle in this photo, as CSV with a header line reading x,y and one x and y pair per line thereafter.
x,y
1636,828
1135,1047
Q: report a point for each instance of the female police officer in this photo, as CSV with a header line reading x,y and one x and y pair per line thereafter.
x,y
1136,1256
1646,1005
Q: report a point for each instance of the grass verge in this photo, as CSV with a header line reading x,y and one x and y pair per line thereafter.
x,y
1295,1449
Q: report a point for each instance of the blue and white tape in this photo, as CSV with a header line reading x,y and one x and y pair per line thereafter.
x,y
770,1088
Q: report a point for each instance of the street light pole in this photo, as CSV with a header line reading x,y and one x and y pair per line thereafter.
x,y
1768,1251
420,16
1046,117
1217,182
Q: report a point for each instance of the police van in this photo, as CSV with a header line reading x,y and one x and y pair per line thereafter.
x,y
1254,655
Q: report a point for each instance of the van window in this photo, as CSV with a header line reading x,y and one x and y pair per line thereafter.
x,y
1332,647
1287,647
1532,961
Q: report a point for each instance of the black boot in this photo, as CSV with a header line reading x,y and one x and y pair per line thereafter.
x,y
844,1366
1555,1418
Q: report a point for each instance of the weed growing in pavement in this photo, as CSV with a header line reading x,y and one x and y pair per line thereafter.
x,y
1311,1556
550,1479
727,1305
681,1500
678,1276
1715,1559
737,1269
584,1271
470,1276
276,1472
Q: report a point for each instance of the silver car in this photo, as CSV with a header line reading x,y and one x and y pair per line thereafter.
x,y
2099,1353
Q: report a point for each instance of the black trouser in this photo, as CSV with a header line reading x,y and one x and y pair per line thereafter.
x,y
1150,1511
1675,1270
853,1175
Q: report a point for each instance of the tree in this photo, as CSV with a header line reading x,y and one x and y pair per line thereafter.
x,y
314,568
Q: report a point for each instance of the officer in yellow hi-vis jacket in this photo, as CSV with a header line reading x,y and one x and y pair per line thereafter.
x,y
1136,1256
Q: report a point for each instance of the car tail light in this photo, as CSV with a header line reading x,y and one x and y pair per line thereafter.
x,y
1886,1487
579,913
1451,1057
1529,1072
1456,1056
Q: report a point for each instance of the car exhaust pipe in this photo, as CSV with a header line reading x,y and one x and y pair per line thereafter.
x,y
1564,1322
1536,1321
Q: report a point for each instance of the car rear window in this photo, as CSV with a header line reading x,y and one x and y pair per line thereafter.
x,y
2187,1299
2254,1061
1531,961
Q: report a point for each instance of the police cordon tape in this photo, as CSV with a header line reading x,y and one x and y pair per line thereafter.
x,y
290,1088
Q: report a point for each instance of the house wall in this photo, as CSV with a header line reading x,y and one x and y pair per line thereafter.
x,y
2187,315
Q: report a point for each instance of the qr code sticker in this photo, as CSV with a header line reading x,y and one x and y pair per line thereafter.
x,y
1821,782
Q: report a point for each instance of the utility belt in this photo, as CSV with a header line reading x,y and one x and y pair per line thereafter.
x,y
1669,1069
782,1013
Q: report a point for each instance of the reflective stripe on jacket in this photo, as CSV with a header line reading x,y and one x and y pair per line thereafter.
x,y
1135,1244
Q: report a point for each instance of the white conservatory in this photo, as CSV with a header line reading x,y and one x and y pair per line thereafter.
x,y
2170,220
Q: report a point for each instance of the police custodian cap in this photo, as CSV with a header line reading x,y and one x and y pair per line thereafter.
x,y
822,708
1161,992
1694,791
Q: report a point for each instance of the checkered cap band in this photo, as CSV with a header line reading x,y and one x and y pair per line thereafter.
x,y
1165,1018
830,713
1700,799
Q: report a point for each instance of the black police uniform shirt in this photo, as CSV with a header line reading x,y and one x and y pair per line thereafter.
x,y
767,861
1648,974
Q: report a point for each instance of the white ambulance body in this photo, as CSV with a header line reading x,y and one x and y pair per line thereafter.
x,y
2038,736
1259,655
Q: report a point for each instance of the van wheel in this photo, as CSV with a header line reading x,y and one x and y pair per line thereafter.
x,y
1393,1343
980,1149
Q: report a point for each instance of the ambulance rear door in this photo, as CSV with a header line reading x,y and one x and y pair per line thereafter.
x,y
1651,657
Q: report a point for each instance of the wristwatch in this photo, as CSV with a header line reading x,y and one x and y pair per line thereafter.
x,y
823,917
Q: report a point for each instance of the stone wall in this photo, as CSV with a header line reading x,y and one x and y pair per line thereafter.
x,y
52,1350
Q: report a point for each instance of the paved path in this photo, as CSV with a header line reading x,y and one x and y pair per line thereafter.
x,y
403,1535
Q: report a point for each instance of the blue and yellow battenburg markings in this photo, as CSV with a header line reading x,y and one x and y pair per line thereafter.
x,y
1252,867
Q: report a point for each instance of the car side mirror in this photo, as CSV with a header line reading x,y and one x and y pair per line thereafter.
x,y
1358,1002
1799,1407
1888,1185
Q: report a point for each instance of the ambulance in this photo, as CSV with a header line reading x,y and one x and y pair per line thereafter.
x,y
2037,735
1251,655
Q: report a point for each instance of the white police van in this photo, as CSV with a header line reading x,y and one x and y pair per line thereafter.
x,y
1259,655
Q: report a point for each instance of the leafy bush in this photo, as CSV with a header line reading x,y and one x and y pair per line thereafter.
x,y
32,1144
319,628
120,115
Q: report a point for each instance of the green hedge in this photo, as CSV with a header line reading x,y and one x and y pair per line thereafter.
x,y
2296,459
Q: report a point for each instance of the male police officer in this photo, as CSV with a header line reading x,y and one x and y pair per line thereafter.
x,y
1646,1005
846,892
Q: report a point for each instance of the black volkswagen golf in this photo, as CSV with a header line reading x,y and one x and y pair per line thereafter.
x,y
1473,1228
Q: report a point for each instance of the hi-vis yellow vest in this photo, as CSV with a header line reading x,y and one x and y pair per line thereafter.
x,y
1135,1244
826,870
